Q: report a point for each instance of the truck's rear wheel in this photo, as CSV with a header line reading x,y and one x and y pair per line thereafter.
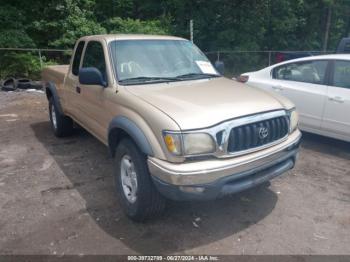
x,y
138,196
61,124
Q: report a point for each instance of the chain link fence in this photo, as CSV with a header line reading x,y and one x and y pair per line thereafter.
x,y
26,62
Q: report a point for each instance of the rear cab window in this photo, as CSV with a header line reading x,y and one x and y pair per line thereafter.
x,y
77,57
313,72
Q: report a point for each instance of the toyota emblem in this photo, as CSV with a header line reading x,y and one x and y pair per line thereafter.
x,y
263,132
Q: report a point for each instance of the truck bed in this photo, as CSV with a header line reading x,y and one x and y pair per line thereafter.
x,y
55,73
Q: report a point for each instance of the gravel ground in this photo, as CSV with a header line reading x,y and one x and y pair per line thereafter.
x,y
57,197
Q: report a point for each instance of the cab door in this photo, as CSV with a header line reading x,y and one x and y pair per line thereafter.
x,y
71,98
94,96
336,117
304,83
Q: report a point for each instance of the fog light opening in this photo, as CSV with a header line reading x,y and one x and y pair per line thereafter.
x,y
191,189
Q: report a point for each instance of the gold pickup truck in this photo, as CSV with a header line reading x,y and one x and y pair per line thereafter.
x,y
175,126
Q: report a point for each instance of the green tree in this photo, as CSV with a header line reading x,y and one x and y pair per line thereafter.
x,y
12,28
118,25
72,21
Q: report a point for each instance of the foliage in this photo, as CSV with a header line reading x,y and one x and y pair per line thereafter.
x,y
218,24
118,25
72,21
22,65
12,29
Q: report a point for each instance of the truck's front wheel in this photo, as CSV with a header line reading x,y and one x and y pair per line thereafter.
x,y
61,124
138,196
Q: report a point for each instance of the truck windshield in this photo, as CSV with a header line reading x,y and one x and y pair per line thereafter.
x,y
149,61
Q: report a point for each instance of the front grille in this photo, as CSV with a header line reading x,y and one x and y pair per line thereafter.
x,y
257,134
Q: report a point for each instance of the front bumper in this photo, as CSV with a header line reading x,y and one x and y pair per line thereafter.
x,y
210,179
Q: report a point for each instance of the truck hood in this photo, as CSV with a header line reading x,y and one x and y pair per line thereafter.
x,y
206,102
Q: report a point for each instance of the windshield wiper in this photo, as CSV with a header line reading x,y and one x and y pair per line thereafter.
x,y
156,79
197,75
147,79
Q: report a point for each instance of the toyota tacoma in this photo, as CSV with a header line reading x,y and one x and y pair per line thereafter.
x,y
176,128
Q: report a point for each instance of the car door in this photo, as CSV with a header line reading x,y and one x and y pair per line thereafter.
x,y
336,117
71,98
94,95
304,83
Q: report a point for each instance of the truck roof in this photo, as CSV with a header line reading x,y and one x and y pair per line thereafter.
x,y
111,37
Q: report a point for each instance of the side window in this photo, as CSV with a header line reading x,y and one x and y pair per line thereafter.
x,y
309,72
341,74
94,57
77,57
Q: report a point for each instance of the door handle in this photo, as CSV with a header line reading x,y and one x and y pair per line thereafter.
x,y
78,89
277,88
337,99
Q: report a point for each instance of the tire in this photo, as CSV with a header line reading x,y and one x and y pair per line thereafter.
x,y
147,202
9,85
61,125
23,83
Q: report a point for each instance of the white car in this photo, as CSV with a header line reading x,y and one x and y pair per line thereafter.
x,y
319,86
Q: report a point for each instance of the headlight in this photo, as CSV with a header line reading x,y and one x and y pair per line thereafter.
x,y
198,143
188,143
294,119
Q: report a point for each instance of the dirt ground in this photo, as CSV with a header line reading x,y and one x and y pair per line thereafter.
x,y
57,197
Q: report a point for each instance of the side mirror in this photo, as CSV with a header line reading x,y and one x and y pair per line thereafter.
x,y
220,66
91,76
